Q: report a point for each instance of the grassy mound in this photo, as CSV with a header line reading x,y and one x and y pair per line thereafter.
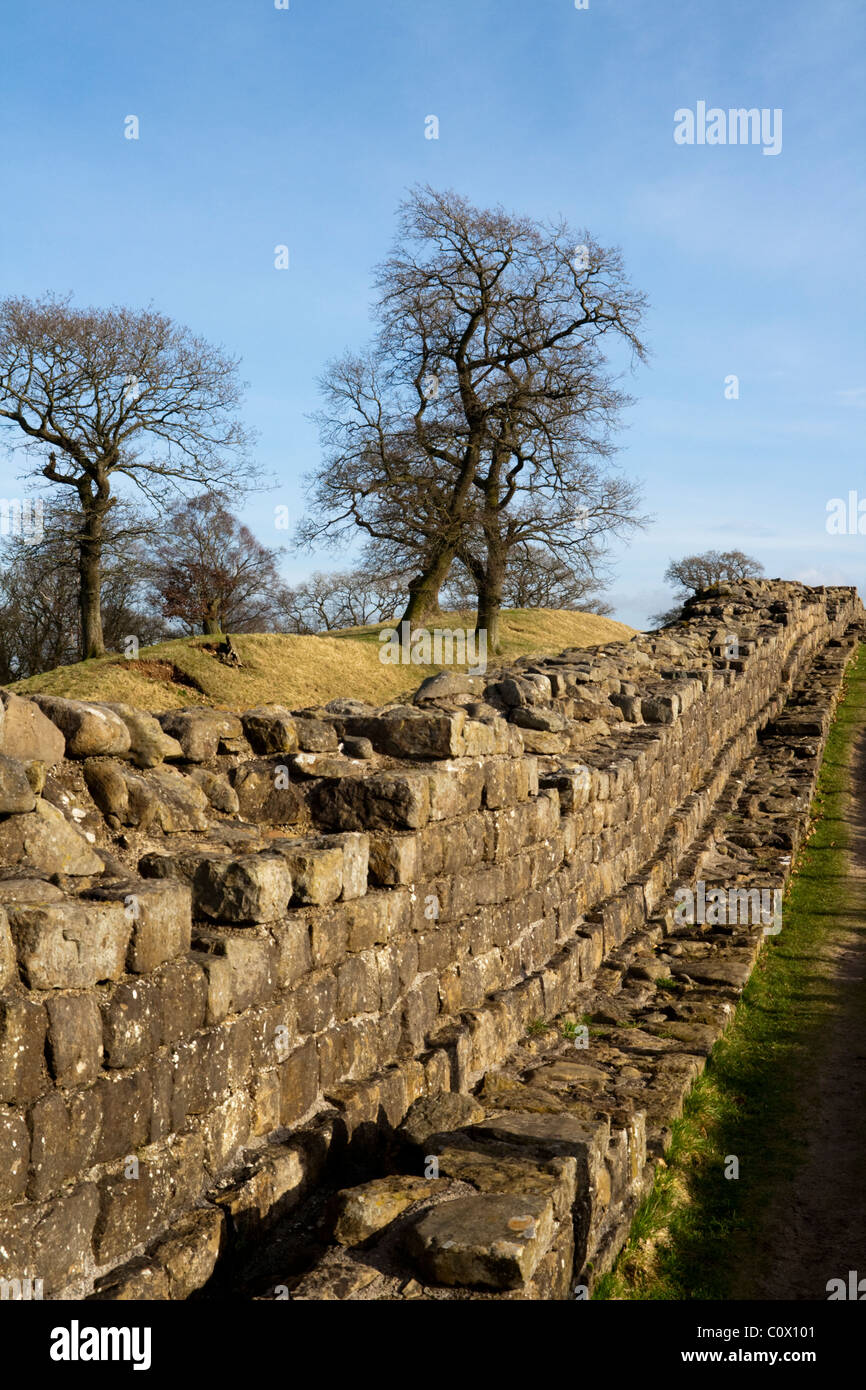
x,y
299,671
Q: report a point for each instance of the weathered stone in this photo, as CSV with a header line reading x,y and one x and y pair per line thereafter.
x,y
23,1025
89,729
316,868
355,747
293,950
488,1241
14,1156
26,733
127,1099
439,1114
271,729
189,1253
138,1280
252,964
52,1240
180,804
299,1078
734,973
256,889
315,735
383,801
265,793
149,744
367,1209
404,731
660,709
162,796
8,958
447,684
74,1038
69,945
200,732
44,842
133,1023
218,790
16,793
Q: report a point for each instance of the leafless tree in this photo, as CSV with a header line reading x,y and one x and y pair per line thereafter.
x,y
696,572
486,393
534,578
102,393
351,598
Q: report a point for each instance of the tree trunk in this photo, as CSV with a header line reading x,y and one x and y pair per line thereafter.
x,y
211,625
490,600
90,577
424,589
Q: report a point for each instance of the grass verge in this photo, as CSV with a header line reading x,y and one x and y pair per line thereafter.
x,y
692,1235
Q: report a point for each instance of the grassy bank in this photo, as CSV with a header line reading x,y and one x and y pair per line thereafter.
x,y
300,671
692,1238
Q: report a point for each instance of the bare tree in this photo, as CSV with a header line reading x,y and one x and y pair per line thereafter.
x,y
351,598
534,578
696,572
105,392
211,573
486,392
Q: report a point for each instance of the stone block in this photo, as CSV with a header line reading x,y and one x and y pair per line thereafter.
x,y
485,1241
75,1046
70,945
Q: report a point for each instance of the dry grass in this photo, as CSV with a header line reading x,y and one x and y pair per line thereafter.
x,y
299,671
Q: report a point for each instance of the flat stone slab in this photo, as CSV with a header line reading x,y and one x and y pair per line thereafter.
x,y
714,972
492,1241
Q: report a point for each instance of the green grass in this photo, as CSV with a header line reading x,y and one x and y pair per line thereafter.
x,y
692,1236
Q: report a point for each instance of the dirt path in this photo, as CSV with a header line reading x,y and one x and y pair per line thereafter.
x,y
815,1230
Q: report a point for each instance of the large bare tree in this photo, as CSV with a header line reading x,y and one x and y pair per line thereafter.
x,y
105,393
486,391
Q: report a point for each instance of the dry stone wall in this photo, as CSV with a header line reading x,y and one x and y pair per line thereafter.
x,y
239,950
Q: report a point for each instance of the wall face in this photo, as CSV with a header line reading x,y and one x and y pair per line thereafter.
x,y
218,932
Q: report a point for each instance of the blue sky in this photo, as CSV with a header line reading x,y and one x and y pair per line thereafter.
x,y
305,127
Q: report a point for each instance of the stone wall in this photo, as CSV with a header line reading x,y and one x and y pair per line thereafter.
x,y
237,950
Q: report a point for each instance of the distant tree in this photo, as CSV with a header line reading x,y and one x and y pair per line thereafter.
x,y
210,573
39,611
697,572
351,598
98,393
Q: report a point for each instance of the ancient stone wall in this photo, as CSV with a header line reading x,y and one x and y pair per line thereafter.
x,y
236,950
